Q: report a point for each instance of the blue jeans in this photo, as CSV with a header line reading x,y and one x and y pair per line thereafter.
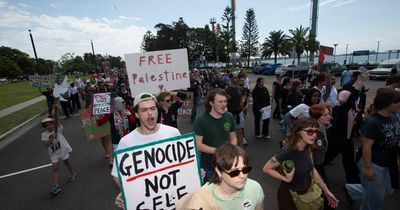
x,y
376,190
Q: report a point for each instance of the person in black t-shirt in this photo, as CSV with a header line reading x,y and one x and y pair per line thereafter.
x,y
169,109
277,92
50,99
380,137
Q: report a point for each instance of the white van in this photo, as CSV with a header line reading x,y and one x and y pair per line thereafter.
x,y
384,68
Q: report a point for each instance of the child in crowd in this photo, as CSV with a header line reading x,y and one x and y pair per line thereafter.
x,y
58,149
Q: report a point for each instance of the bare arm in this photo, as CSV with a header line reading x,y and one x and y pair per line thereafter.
x,y
366,154
332,200
233,138
269,169
203,147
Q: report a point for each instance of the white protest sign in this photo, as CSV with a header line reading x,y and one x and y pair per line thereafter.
x,y
101,103
266,112
156,175
39,81
157,71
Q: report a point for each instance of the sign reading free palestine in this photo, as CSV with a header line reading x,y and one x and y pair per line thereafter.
x,y
157,71
156,175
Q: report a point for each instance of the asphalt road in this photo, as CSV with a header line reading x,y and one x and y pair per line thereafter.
x,y
94,188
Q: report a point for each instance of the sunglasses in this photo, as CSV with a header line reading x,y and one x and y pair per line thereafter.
x,y
235,173
169,100
311,132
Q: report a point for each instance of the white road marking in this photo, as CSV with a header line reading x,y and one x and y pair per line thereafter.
x,y
24,171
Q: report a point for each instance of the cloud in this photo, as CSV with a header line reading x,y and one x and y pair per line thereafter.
x,y
344,3
321,4
129,18
57,35
53,5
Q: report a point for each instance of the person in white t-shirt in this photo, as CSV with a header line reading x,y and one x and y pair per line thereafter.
x,y
145,108
312,96
58,149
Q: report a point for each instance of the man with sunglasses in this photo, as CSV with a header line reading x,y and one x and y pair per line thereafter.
x,y
145,108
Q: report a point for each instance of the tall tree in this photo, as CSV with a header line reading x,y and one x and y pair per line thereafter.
x,y
181,37
9,68
274,44
148,42
226,34
249,46
312,45
298,40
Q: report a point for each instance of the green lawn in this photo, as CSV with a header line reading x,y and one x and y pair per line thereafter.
x,y
18,92
10,121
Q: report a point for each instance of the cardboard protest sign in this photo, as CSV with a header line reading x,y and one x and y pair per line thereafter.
x,y
92,130
39,81
186,109
101,103
157,71
156,175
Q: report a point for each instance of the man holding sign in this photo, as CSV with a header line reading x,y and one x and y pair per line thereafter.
x,y
145,108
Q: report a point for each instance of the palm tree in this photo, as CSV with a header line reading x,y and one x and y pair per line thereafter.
x,y
274,44
298,40
312,45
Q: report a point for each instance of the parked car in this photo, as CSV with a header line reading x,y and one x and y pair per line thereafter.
x,y
382,71
3,80
270,69
279,70
336,68
261,69
296,70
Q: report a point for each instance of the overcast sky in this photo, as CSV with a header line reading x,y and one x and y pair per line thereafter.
x,y
117,26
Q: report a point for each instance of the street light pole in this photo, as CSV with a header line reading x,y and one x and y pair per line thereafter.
x,y
334,54
34,51
345,56
94,56
212,22
377,52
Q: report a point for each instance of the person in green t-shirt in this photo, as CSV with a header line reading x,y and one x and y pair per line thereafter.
x,y
213,128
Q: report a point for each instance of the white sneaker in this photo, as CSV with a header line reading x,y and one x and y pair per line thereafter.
x,y
267,137
244,142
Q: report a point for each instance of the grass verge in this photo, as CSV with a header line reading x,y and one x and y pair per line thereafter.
x,y
10,121
17,92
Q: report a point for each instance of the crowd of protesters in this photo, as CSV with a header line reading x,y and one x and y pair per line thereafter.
x,y
319,120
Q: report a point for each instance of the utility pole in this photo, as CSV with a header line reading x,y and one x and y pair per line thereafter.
x,y
314,18
334,54
94,56
345,56
34,51
233,5
377,52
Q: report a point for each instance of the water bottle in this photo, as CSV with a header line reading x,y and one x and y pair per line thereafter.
x,y
287,165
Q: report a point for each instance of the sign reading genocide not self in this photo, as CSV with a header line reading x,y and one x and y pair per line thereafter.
x,y
156,175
